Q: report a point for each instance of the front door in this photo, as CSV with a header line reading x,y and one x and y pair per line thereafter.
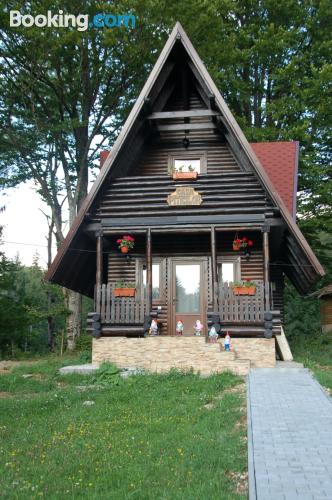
x,y
187,294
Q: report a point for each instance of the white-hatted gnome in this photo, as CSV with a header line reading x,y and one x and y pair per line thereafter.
x,y
179,327
227,342
198,327
154,327
213,333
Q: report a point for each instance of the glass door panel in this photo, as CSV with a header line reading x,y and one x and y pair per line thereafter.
x,y
187,296
188,280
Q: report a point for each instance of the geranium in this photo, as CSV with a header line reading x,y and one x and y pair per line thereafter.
x,y
243,242
126,241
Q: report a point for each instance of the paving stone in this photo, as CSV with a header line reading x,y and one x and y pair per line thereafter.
x,y
290,420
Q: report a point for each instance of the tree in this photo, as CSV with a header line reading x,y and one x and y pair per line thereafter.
x,y
64,93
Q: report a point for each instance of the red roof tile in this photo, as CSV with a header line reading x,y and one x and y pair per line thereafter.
x,y
280,161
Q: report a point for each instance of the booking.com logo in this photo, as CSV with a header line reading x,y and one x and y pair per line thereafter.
x,y
61,20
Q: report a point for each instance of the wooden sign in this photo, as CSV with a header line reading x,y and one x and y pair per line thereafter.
x,y
184,197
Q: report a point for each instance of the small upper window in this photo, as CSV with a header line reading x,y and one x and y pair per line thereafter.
x,y
187,165
187,162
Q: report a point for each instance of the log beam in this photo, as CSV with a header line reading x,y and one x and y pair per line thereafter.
x,y
149,270
214,269
99,258
186,126
266,254
192,113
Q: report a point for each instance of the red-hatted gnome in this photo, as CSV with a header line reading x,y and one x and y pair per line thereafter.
x,y
179,327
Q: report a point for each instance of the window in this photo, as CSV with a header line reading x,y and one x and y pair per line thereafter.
x,y
184,160
229,270
155,281
187,165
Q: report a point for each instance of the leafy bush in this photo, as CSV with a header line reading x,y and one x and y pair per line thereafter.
x,y
301,314
108,374
84,342
85,356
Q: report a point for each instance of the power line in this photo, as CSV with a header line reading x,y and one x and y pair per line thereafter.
x,y
276,264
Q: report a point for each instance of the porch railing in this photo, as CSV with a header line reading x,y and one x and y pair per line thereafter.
x,y
118,310
241,308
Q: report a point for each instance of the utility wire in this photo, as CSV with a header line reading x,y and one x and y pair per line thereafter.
x,y
106,253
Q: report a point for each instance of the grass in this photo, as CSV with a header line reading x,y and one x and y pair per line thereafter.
x,y
315,352
174,436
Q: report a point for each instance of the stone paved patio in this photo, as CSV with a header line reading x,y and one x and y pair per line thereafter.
x,y
289,436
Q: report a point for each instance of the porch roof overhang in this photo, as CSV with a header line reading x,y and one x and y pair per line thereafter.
x,y
176,220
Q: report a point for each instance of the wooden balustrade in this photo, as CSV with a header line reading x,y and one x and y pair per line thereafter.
x,y
233,308
118,310
241,308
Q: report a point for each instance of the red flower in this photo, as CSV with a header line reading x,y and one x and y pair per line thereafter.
x,y
244,238
238,241
118,241
250,243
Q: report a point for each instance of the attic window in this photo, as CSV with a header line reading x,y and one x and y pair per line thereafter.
x,y
187,165
186,162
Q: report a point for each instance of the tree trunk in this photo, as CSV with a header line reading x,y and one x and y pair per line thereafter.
x,y
74,306
51,333
50,297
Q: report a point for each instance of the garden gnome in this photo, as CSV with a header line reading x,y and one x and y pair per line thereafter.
x,y
227,342
179,327
213,332
198,327
154,327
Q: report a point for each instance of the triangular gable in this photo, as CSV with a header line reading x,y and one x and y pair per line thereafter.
x,y
233,131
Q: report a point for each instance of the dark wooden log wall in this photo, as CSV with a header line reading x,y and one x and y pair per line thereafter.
x,y
219,156
120,269
326,314
226,188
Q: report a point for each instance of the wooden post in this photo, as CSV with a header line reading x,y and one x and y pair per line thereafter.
x,y
99,258
266,253
149,271
214,269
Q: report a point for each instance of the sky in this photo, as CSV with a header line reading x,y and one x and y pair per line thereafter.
x,y
25,226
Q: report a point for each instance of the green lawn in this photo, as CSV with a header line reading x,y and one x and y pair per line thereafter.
x,y
315,352
175,436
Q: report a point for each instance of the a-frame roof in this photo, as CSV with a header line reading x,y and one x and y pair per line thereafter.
x,y
234,132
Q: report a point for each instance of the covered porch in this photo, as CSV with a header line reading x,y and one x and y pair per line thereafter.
x,y
241,315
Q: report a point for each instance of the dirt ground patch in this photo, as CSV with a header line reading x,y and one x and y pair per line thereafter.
x,y
7,366
4,395
240,480
238,388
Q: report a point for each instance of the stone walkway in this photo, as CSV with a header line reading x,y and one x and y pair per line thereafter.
x,y
289,436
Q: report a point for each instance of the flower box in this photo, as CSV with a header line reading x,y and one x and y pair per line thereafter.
x,y
124,292
244,290
179,176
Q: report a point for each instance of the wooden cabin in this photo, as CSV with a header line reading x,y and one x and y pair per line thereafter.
x,y
183,181
325,296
